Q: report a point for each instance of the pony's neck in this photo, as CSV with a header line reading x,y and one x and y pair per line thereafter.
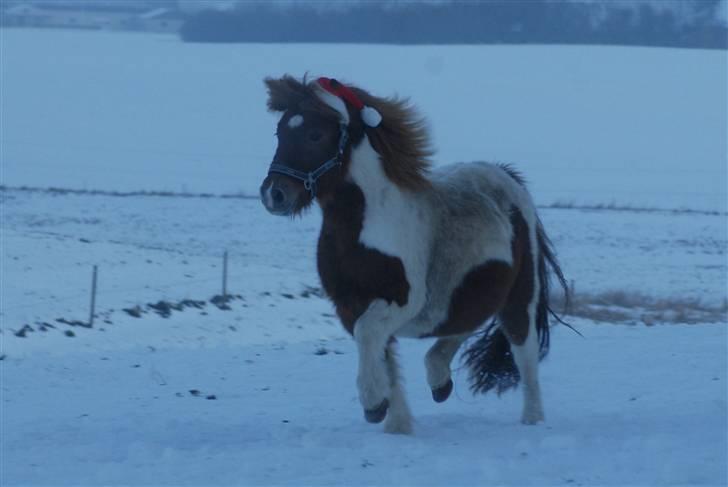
x,y
392,215
366,171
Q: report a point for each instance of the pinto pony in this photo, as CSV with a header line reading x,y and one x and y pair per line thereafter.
x,y
410,251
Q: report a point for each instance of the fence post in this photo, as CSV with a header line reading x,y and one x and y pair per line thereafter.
x,y
93,297
224,275
572,290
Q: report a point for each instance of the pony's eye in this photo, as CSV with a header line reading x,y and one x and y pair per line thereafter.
x,y
315,135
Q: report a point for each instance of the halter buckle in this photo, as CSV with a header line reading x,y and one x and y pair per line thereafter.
x,y
309,184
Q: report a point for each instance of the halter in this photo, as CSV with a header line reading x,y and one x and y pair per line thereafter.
x,y
309,178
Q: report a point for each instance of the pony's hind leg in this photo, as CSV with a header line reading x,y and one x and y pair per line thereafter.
x,y
437,364
518,321
526,356
519,318
399,418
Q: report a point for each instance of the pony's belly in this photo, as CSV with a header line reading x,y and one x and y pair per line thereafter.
x,y
425,322
415,329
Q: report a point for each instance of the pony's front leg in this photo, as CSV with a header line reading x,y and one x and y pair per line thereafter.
x,y
372,332
399,418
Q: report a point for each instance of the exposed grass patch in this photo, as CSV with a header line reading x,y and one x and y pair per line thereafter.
x,y
613,206
634,307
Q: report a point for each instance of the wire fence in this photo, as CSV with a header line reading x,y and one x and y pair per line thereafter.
x,y
96,291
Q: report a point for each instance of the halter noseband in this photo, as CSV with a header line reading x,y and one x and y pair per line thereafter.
x,y
309,178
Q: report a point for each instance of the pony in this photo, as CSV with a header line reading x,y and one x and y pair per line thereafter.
x,y
408,250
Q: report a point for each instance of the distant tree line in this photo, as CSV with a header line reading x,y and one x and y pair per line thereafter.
x,y
485,22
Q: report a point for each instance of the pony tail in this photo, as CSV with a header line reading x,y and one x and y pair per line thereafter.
x,y
491,362
547,265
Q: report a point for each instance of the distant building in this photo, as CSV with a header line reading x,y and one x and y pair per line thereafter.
x,y
134,16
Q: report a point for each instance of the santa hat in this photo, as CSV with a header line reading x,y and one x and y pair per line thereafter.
x,y
337,96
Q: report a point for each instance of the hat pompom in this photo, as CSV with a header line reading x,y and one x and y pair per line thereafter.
x,y
371,117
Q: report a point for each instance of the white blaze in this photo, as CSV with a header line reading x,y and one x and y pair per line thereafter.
x,y
295,121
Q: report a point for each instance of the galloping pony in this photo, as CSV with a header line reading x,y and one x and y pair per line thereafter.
x,y
406,250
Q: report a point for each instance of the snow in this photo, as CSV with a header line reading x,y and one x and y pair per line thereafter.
x,y
638,126
649,411
171,248
264,393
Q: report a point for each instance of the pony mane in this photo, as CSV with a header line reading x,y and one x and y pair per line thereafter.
x,y
402,139
287,93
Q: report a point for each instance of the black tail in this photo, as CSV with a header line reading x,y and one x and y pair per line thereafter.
x,y
489,357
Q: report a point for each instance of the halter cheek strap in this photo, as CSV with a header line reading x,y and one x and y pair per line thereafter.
x,y
310,178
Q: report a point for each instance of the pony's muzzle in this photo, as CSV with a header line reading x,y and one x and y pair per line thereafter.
x,y
277,195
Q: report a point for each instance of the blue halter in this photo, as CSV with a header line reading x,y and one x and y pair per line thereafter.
x,y
309,178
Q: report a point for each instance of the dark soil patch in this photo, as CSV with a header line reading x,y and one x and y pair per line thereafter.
x,y
73,322
222,301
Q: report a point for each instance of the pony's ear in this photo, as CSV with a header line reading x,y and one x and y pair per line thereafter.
x,y
284,93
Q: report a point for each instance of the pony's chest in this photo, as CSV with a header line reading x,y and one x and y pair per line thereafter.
x,y
352,272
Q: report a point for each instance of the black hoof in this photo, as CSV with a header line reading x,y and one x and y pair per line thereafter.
x,y
377,414
443,392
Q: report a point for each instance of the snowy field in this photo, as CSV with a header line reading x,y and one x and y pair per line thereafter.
x,y
167,388
633,126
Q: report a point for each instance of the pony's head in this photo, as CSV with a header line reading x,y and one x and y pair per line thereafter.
x,y
321,122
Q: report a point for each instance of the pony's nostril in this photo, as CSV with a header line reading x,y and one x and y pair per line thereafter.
x,y
278,196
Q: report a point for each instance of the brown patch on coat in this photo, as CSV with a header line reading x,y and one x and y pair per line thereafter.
x,y
480,295
352,274
495,288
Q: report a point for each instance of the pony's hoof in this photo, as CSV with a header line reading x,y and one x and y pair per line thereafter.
x,y
398,426
532,417
377,414
441,393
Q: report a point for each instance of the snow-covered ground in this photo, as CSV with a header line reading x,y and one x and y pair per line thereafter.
x,y
625,406
264,393
121,111
151,248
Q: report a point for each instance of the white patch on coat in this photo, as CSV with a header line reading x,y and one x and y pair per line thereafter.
x,y
395,222
295,121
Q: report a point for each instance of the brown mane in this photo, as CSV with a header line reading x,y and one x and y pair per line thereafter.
x,y
287,93
401,140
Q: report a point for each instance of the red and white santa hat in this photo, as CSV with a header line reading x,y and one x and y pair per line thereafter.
x,y
337,96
